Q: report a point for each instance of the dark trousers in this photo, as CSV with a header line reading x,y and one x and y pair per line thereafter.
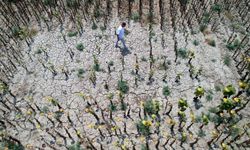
x,y
122,40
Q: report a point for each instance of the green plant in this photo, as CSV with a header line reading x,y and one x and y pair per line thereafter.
x,y
229,15
144,147
169,62
99,36
32,32
45,109
235,131
92,77
144,59
193,32
206,18
234,119
199,92
39,51
216,119
75,146
97,13
166,91
112,107
80,47
248,91
163,66
182,115
229,90
132,72
150,16
135,16
224,146
72,3
103,28
123,105
234,45
152,60
227,60
58,114
243,85
182,52
229,104
211,42
155,40
209,97
203,27
10,145
183,137
151,34
3,88
205,119
182,104
96,66
198,119
72,33
80,72
94,26
178,77
123,86
213,110
111,63
196,43
217,8
151,107
49,2
53,101
230,46
144,127
198,73
201,133
15,31
110,96
22,33
226,104
191,55
213,60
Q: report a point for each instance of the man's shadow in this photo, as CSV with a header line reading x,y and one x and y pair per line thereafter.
x,y
124,51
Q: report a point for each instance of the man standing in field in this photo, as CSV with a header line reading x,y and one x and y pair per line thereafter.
x,y
120,35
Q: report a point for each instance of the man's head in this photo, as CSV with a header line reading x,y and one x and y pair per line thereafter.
x,y
124,24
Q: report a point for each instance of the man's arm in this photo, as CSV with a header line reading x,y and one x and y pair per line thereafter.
x,y
118,31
